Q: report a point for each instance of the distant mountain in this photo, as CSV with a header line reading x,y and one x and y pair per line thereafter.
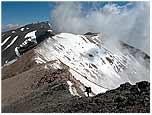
x,y
14,38
34,57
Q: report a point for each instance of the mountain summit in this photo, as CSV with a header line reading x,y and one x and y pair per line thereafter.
x,y
34,57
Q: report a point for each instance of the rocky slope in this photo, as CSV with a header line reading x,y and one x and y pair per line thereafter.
x,y
55,97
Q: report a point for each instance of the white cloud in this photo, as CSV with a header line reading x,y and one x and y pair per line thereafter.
x,y
10,27
117,22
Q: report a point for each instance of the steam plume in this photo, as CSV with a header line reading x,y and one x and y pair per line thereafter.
x,y
129,23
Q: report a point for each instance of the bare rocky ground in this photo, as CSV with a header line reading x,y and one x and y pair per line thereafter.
x,y
30,87
55,97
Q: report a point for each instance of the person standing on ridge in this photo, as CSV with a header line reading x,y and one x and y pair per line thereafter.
x,y
88,90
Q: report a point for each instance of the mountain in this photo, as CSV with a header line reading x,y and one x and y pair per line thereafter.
x,y
35,58
14,38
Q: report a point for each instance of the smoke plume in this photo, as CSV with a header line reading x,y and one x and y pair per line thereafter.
x,y
129,23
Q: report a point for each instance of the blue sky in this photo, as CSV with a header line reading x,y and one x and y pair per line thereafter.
x,y
24,12
28,12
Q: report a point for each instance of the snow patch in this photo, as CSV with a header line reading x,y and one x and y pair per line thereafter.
x,y
10,62
5,40
72,89
45,67
22,29
54,64
17,52
49,30
49,25
39,60
11,42
94,86
31,35
13,32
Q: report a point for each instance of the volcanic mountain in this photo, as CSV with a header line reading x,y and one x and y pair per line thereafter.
x,y
35,58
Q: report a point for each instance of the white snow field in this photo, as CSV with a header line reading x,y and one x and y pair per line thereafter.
x,y
90,62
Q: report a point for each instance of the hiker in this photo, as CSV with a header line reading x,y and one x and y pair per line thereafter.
x,y
88,90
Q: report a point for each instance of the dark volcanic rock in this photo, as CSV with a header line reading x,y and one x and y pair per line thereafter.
x,y
8,48
56,98
123,99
